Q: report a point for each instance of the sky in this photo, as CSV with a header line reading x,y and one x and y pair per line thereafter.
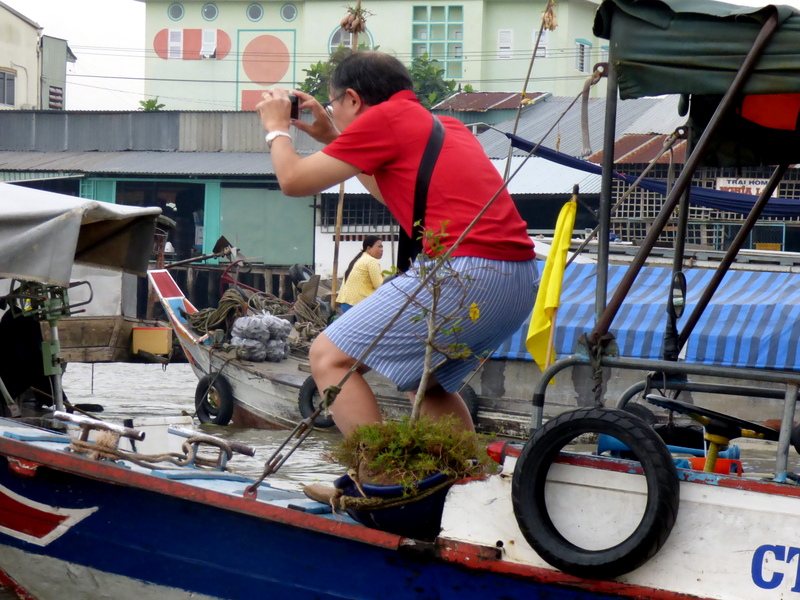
x,y
107,37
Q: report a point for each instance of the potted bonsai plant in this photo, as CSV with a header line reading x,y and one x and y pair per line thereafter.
x,y
399,471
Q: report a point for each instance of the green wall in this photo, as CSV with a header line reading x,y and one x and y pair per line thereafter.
x,y
267,226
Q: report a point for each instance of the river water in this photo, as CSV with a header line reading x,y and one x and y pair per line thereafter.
x,y
128,390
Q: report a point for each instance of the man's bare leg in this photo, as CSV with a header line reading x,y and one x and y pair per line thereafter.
x,y
355,405
438,402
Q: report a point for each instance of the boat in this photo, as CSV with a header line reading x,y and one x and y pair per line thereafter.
x,y
625,514
75,527
259,394
44,236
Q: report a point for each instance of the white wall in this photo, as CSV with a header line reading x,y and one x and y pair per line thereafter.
x,y
19,54
324,249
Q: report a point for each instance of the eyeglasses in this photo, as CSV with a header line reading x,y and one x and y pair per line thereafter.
x,y
329,105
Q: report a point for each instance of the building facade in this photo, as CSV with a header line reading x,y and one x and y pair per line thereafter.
x,y
33,67
19,60
221,55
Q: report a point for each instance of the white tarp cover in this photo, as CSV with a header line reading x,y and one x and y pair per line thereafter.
x,y
42,234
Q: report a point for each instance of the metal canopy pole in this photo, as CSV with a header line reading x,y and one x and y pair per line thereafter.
x,y
606,190
733,250
684,180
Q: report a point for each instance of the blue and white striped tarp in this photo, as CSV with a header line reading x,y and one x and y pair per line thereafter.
x,y
752,321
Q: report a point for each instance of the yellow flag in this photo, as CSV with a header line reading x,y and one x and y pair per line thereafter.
x,y
549,295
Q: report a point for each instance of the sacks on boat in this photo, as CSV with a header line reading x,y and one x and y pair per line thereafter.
x,y
261,337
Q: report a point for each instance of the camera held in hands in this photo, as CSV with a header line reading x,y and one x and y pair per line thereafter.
x,y
295,112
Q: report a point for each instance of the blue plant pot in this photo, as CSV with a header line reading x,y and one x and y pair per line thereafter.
x,y
419,519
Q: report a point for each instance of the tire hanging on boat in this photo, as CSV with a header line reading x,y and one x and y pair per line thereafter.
x,y
530,509
213,399
309,399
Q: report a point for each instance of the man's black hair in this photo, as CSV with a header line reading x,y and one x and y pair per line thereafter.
x,y
374,75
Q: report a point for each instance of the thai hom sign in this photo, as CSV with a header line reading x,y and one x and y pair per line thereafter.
x,y
743,185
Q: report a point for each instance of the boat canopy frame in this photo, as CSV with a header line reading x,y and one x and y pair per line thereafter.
x,y
693,48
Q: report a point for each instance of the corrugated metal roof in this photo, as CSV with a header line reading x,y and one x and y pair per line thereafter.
x,y
74,131
141,163
537,176
662,117
640,149
566,136
482,101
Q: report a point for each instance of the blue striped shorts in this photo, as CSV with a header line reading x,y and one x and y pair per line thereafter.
x,y
504,292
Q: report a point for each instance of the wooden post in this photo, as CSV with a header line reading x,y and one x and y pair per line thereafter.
x,y
337,234
152,299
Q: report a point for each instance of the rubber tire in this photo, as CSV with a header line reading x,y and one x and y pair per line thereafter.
x,y
470,398
308,400
641,411
530,475
299,273
206,412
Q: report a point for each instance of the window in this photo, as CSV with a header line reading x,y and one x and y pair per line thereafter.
x,y
344,38
505,41
210,11
255,12
175,43
208,45
175,11
361,213
541,50
288,12
583,50
340,38
438,31
7,84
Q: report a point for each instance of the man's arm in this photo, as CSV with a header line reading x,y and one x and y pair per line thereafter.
x,y
305,176
368,181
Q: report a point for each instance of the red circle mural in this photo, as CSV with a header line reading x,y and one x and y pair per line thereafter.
x,y
265,60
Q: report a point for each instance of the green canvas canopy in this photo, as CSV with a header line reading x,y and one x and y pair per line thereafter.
x,y
696,46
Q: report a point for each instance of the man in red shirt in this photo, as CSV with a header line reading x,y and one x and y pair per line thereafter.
x,y
377,130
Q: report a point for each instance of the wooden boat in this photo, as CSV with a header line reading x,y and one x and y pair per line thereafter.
x,y
265,395
74,527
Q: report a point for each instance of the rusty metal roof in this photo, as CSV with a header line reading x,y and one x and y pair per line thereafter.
x,y
642,149
483,101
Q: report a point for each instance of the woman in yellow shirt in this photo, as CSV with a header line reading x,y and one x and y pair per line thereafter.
x,y
363,275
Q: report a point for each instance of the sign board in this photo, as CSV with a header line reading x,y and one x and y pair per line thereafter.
x,y
744,185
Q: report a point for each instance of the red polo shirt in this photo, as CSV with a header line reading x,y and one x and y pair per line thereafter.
x,y
388,140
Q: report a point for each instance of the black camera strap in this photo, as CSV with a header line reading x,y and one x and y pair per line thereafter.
x,y
410,246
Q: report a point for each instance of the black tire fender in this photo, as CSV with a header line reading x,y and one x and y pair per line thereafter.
x,y
299,273
528,493
309,400
470,398
213,399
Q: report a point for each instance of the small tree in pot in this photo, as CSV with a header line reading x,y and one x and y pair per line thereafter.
x,y
414,448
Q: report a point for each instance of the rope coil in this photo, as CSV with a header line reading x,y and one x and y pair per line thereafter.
x,y
340,502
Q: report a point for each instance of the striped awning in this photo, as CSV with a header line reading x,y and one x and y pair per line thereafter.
x,y
752,321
